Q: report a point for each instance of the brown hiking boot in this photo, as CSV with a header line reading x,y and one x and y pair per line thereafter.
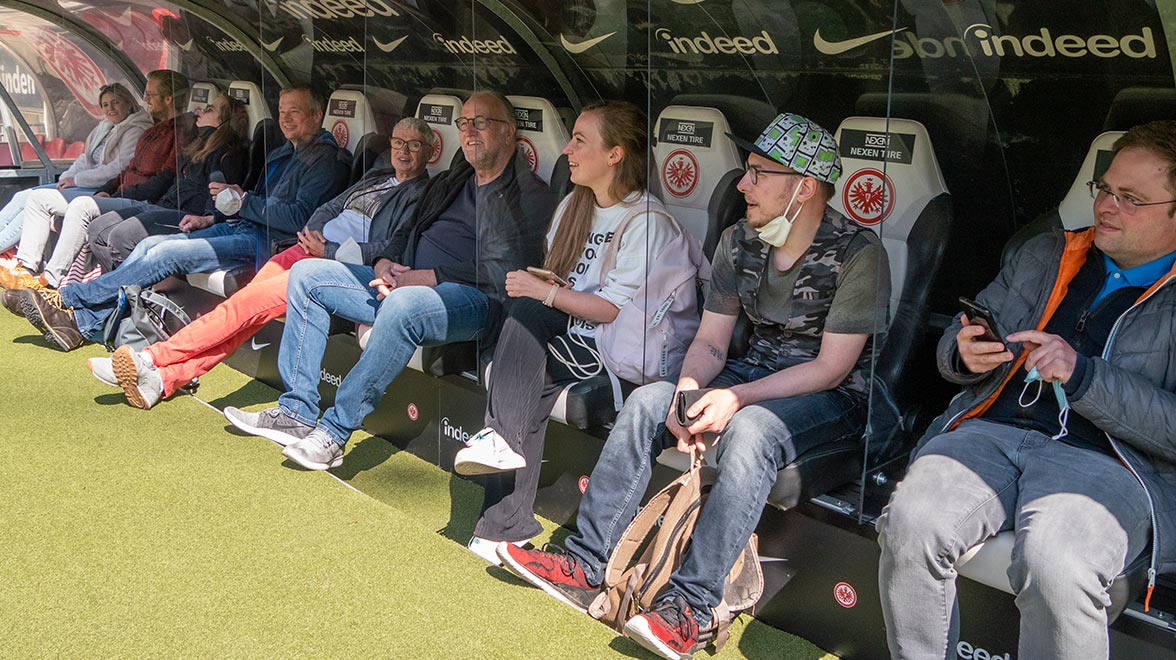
x,y
49,315
19,278
10,298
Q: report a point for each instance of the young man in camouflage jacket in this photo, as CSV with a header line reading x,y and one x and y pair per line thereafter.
x,y
814,286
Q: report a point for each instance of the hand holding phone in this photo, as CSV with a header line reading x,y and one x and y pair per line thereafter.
x,y
980,315
685,400
980,353
548,275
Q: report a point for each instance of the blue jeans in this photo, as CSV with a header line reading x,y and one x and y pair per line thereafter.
x,y
222,245
409,317
759,440
12,215
1079,516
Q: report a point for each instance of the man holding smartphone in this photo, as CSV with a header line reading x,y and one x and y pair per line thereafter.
x,y
1084,473
814,286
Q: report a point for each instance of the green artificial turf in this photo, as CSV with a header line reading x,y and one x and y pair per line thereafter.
x,y
161,533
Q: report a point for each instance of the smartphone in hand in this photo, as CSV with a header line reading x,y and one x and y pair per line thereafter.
x,y
545,274
685,400
982,316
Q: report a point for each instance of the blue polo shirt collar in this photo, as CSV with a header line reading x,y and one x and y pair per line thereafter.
x,y
1142,276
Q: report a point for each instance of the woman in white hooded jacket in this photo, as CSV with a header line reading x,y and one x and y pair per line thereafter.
x,y
109,148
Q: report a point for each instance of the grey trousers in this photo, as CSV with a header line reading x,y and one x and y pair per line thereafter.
x,y
113,236
1079,516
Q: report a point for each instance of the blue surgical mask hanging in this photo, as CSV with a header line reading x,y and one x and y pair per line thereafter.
x,y
1059,394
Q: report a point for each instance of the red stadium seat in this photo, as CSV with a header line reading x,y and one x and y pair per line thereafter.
x,y
55,148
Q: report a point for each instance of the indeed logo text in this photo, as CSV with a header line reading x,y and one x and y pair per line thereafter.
x,y
704,44
328,377
455,432
1038,44
325,45
336,8
227,45
469,46
966,651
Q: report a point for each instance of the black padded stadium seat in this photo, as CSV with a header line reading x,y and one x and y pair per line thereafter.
x,y
264,130
1138,105
906,202
1077,208
371,152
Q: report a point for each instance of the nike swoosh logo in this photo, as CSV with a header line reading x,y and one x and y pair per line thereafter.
x,y
688,2
576,49
186,46
257,346
272,46
838,47
390,46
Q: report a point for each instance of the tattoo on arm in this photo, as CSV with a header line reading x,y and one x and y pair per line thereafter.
x,y
716,353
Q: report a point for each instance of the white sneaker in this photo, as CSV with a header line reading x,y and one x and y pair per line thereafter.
x,y
138,377
488,550
103,370
487,453
317,451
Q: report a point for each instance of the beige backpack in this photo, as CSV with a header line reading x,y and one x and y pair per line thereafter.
x,y
653,546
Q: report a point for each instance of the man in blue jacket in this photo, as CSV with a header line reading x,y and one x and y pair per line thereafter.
x,y
302,174
1062,433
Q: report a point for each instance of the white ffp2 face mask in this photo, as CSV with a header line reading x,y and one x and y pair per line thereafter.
x,y
775,232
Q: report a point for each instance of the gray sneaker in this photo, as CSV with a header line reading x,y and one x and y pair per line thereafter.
x,y
138,377
271,424
102,369
317,451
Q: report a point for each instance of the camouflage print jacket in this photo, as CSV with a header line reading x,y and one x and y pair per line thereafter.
x,y
778,343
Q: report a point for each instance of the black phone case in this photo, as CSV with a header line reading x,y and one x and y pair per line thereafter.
x,y
685,400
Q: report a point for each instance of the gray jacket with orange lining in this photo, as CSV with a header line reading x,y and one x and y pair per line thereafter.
x,y
1129,391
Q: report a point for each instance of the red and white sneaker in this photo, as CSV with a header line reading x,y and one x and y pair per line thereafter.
x,y
668,629
554,570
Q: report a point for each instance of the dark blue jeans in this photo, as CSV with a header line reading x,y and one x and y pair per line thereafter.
x,y
760,440
223,245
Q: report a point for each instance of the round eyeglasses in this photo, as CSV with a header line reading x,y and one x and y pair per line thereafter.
x,y
413,146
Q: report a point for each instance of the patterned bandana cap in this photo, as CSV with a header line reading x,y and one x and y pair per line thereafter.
x,y
802,145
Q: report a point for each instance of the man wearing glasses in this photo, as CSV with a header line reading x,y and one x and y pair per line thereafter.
x,y
353,227
440,280
1063,430
815,287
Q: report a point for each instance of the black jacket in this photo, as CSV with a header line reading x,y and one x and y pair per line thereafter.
x,y
189,190
513,213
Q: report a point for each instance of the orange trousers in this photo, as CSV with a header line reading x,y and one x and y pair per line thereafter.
x,y
205,342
